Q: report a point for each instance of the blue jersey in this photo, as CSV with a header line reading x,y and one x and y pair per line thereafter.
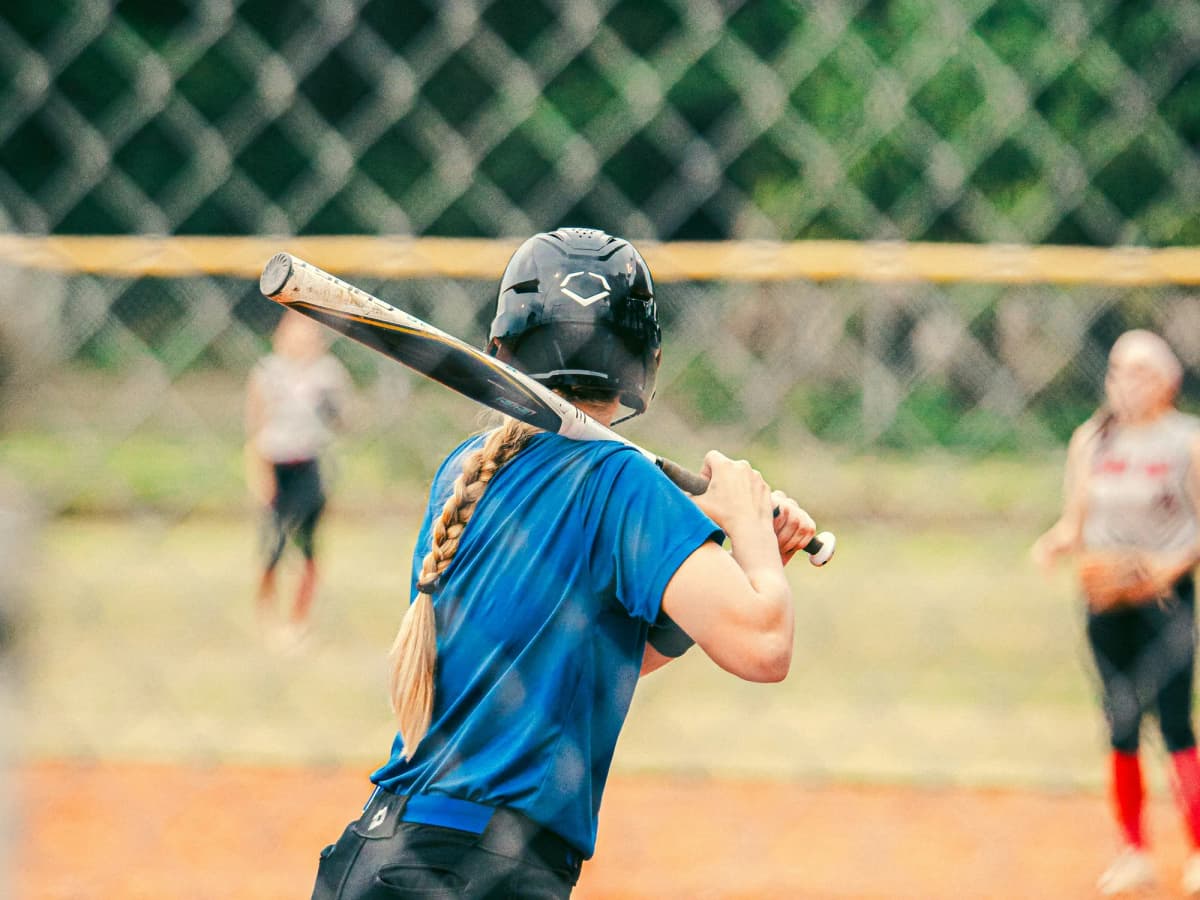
x,y
542,619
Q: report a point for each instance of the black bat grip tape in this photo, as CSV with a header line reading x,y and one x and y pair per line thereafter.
x,y
695,484
685,479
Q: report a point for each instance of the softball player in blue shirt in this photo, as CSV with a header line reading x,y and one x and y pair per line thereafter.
x,y
548,575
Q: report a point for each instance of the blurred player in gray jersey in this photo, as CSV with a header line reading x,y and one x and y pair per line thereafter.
x,y
296,401
1132,519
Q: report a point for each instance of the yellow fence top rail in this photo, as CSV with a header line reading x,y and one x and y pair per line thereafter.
x,y
404,257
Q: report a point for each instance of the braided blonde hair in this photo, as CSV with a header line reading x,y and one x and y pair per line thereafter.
x,y
414,652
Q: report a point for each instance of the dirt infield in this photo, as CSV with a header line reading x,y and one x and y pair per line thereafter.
x,y
127,832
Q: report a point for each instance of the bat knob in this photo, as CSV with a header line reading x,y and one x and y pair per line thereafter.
x,y
276,274
828,545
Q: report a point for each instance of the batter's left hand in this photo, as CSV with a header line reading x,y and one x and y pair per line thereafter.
x,y
793,526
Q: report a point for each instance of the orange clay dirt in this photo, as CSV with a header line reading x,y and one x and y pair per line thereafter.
x,y
125,831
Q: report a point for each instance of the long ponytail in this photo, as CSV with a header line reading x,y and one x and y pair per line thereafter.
x,y
414,652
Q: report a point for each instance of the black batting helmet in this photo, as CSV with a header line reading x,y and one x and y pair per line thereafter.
x,y
576,310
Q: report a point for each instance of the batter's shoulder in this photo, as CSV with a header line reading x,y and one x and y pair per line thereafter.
x,y
629,466
618,455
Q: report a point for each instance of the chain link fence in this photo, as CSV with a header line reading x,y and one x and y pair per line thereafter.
x,y
924,420
1033,122
111,376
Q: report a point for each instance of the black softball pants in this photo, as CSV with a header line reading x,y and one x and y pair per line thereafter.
x,y
383,857
295,511
1145,656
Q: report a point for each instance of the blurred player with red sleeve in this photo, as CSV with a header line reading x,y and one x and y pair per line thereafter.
x,y
1130,516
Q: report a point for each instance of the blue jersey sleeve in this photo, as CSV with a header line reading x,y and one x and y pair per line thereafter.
x,y
645,528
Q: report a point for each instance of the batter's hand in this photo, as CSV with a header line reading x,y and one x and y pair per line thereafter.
x,y
737,497
793,526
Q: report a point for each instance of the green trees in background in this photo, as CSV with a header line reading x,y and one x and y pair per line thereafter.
x,y
890,119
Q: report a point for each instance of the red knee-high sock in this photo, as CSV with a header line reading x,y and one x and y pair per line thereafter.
x,y
1187,789
1128,794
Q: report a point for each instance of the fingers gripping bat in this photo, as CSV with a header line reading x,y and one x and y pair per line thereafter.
x,y
456,364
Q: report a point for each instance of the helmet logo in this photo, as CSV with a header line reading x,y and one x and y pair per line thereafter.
x,y
589,279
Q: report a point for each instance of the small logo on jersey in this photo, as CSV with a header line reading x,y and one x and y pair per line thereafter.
x,y
378,818
585,281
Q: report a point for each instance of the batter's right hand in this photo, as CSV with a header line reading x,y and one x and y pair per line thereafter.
x,y
737,496
794,527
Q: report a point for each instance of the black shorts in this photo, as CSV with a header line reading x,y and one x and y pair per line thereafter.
x,y
386,855
1145,655
295,510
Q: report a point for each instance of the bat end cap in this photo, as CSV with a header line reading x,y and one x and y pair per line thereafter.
x,y
276,274
828,545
